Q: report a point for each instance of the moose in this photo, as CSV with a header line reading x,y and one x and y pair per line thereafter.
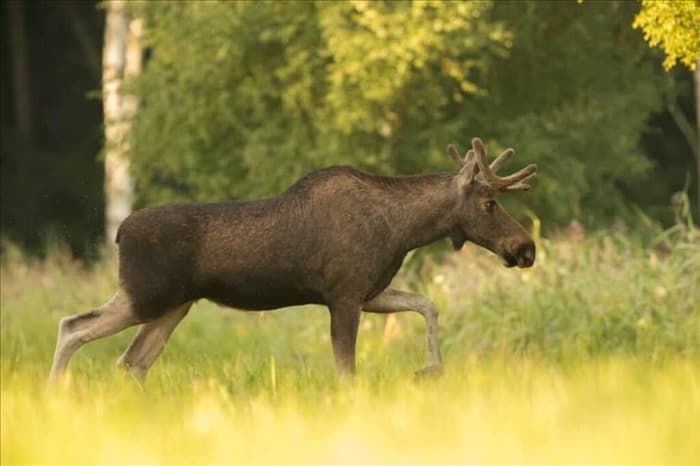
x,y
336,238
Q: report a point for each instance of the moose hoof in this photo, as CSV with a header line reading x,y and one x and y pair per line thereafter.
x,y
131,372
430,372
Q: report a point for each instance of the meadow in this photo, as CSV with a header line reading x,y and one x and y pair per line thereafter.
x,y
590,357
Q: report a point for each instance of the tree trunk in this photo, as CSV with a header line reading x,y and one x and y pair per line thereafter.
x,y
696,75
91,54
20,70
121,59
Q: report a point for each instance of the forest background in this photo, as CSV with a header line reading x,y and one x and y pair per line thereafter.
x,y
238,100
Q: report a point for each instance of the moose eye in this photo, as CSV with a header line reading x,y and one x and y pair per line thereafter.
x,y
490,205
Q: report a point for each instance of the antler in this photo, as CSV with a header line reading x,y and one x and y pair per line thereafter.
x,y
515,182
454,153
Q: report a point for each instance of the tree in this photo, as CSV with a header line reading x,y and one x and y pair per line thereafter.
x,y
242,98
20,70
675,26
121,60
52,184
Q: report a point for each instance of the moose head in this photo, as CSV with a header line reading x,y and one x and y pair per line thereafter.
x,y
482,220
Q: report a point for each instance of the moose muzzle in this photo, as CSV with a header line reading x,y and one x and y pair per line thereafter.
x,y
523,255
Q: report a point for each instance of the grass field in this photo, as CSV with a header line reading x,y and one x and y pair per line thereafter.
x,y
590,357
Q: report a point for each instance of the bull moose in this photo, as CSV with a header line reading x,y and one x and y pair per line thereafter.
x,y
336,237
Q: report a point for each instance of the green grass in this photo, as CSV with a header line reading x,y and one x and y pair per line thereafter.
x,y
590,357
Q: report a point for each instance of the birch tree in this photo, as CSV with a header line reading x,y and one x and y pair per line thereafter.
x,y
122,60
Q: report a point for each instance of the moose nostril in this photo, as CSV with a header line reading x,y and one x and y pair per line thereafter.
x,y
526,254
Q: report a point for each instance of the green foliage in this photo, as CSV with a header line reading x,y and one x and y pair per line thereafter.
x,y
583,300
559,97
242,98
672,25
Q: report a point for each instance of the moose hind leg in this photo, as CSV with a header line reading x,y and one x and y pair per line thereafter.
x,y
150,340
392,300
74,331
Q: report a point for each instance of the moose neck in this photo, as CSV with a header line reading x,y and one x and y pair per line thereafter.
x,y
423,211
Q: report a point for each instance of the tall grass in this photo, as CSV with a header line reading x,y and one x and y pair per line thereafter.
x,y
590,357
605,296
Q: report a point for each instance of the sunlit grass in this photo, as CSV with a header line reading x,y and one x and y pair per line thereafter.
x,y
617,411
591,357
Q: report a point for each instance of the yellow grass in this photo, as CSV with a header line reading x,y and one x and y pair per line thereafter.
x,y
619,411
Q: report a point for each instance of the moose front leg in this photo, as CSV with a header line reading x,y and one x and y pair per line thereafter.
x,y
391,300
345,319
